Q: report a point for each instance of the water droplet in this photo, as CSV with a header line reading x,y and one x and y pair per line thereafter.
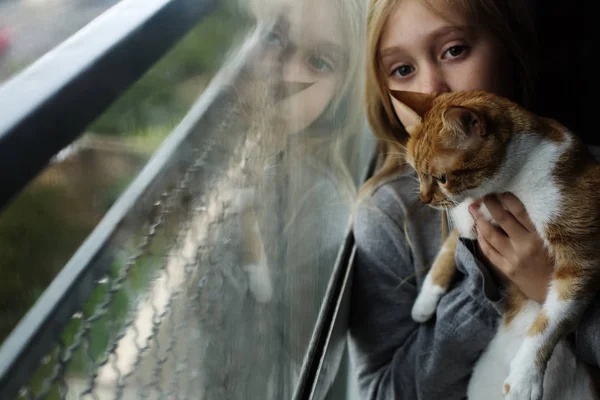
x,y
77,315
103,281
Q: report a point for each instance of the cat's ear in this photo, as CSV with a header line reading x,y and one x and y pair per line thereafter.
x,y
464,122
419,103
411,107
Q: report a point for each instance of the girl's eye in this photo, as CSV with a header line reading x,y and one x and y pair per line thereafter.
x,y
442,179
320,64
455,51
403,71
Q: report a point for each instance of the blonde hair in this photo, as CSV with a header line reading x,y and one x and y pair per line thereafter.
x,y
509,21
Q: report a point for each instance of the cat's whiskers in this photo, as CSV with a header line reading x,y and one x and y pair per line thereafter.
x,y
474,231
451,223
494,184
271,167
394,142
396,155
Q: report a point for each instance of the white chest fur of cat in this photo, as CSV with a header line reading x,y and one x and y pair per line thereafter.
x,y
528,177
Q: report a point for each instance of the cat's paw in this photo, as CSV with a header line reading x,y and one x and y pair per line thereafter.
x,y
424,308
524,385
463,220
426,302
259,280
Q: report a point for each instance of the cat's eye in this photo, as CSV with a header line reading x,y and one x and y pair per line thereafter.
x,y
442,179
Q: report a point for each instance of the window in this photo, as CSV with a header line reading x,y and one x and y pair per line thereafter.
x,y
200,216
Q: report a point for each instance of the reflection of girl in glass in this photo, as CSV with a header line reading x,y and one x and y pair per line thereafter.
x,y
288,188
312,61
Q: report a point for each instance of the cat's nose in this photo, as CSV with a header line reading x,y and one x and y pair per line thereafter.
x,y
426,197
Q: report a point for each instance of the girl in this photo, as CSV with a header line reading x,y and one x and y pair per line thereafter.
x,y
439,46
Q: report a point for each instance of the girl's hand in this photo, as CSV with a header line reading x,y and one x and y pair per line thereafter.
x,y
516,251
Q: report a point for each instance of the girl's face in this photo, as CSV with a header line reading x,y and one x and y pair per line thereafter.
x,y
306,46
436,49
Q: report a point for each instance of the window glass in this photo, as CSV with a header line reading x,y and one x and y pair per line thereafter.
x,y
212,291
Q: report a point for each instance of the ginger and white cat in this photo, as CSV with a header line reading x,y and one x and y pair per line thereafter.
x,y
466,145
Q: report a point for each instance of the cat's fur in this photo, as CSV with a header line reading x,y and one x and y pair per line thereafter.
x,y
466,145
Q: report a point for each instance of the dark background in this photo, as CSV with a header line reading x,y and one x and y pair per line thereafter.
x,y
568,71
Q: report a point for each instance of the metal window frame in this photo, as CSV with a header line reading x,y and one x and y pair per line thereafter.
x,y
48,105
